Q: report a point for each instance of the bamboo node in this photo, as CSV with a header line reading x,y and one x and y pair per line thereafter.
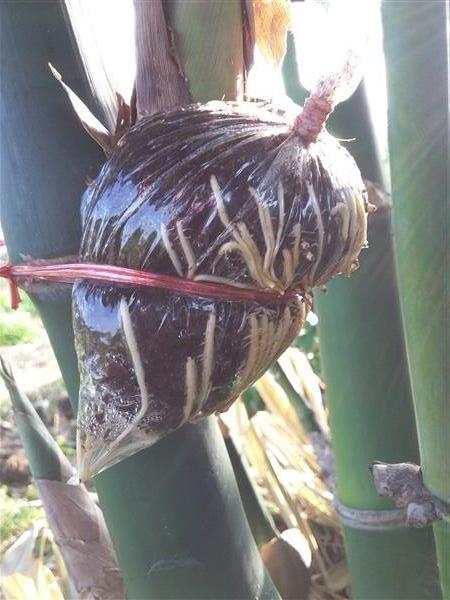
x,y
403,483
370,520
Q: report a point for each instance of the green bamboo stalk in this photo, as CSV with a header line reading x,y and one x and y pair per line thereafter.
x,y
371,419
45,156
368,393
173,511
416,48
290,73
260,521
208,41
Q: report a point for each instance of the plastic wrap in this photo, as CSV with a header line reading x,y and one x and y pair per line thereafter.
x,y
208,193
332,41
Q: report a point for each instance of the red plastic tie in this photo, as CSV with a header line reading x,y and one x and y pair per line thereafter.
x,y
7,272
69,273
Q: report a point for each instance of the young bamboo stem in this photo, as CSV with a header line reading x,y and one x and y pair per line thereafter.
x,y
417,56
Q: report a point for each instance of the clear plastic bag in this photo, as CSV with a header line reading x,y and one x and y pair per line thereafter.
x,y
332,40
218,193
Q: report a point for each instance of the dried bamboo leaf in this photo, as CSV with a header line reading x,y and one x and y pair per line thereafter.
x,y
306,383
91,124
271,21
19,556
80,532
160,81
338,576
282,460
23,574
277,401
43,587
297,540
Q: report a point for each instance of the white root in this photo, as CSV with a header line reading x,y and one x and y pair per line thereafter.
x,y
288,267
249,367
296,234
320,233
195,396
191,387
241,235
207,359
262,268
281,216
138,368
356,232
259,269
341,209
170,251
223,280
266,340
267,230
187,250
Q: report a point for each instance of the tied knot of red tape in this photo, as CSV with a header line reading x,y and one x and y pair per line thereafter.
x,y
7,272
